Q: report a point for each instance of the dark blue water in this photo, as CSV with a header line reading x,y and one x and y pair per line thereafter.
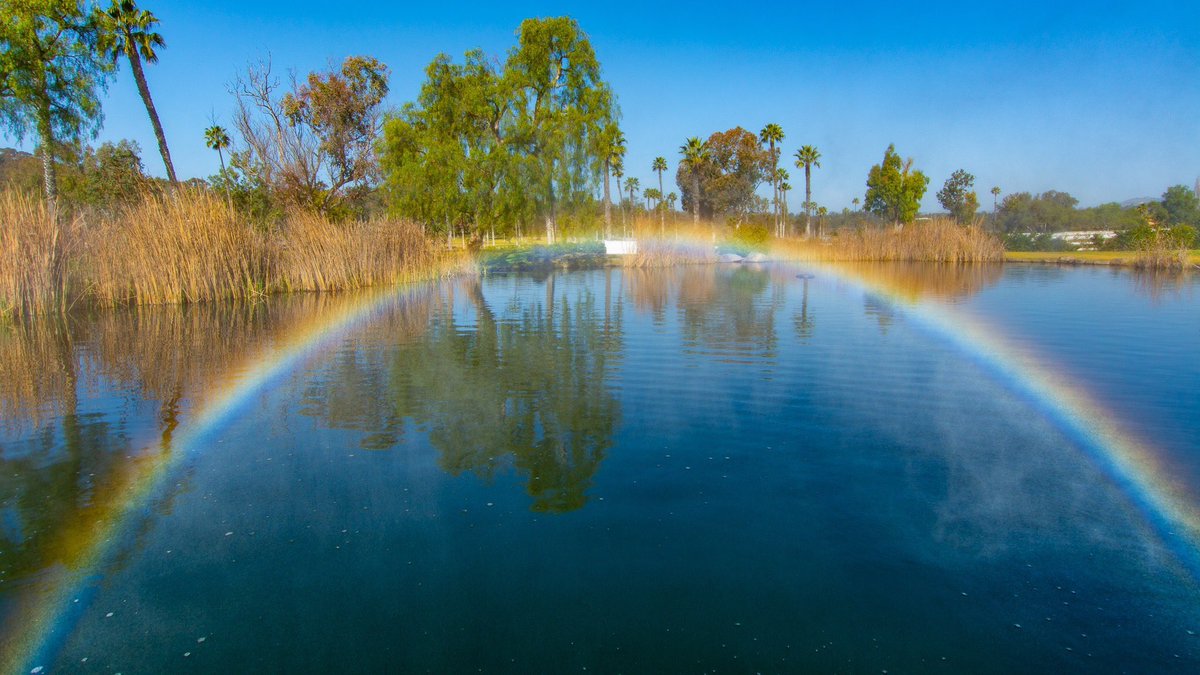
x,y
702,469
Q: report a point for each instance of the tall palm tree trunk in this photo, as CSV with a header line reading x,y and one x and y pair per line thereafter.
x,y
225,180
607,204
662,214
807,200
135,63
695,196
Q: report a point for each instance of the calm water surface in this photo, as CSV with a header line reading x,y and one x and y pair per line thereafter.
x,y
701,469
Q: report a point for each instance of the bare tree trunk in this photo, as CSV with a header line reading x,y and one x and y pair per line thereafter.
x,y
135,62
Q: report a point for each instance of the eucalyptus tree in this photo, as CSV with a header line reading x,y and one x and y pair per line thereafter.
x,y
512,141
127,31
659,166
561,108
50,75
216,138
695,154
772,134
806,158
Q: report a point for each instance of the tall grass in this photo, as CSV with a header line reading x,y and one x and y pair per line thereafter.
x,y
314,254
34,250
187,248
936,240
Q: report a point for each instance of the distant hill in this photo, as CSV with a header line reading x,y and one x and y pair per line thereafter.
x,y
1138,201
20,169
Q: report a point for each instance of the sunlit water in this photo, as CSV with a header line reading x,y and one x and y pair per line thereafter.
x,y
708,468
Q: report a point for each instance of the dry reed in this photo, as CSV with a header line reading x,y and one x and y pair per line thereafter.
x,y
188,248
936,240
34,250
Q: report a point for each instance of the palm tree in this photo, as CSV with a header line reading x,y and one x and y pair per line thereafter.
x,y
217,138
618,170
806,158
995,197
781,176
126,31
856,201
784,188
772,134
632,185
821,213
671,205
612,156
660,165
695,154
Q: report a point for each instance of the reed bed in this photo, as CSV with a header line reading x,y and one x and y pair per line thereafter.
x,y
189,248
314,254
34,249
184,249
937,240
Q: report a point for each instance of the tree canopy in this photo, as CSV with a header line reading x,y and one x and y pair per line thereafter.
x,y
734,165
489,144
50,75
958,197
894,189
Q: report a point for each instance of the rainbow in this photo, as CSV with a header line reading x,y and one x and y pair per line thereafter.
x,y
47,620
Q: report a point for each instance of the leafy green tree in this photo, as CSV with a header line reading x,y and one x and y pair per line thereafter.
x,y
957,197
735,164
894,189
1182,206
128,31
50,74
509,144
772,134
106,176
1051,211
216,138
659,166
806,158
695,156
561,109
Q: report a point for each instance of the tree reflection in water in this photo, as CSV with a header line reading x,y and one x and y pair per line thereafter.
x,y
531,391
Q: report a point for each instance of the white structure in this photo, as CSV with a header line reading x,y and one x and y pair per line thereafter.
x,y
1084,240
620,246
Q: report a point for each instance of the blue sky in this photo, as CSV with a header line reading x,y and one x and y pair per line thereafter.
x,y
1100,99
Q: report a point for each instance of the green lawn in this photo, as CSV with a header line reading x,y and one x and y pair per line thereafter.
x,y
1093,257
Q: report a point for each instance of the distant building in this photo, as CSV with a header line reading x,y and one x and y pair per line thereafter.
x,y
1084,240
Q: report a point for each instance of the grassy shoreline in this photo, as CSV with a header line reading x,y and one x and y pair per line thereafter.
x,y
1110,258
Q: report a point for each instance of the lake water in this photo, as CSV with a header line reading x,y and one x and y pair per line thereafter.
x,y
699,469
